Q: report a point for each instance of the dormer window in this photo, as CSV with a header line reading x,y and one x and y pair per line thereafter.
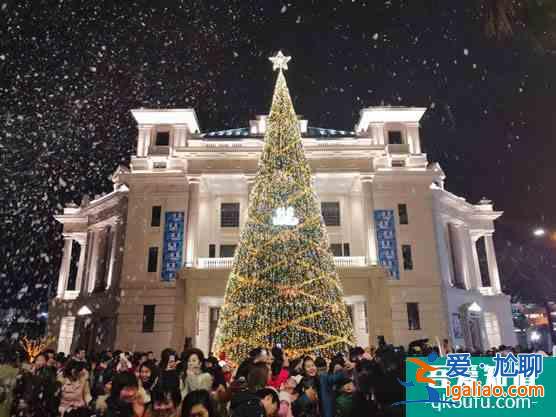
x,y
395,137
162,139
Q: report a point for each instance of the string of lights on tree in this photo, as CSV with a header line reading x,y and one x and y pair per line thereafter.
x,y
283,288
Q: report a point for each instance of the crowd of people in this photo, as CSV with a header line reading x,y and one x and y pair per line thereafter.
x,y
267,383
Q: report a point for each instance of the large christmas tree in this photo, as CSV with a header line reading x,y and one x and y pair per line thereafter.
x,y
283,288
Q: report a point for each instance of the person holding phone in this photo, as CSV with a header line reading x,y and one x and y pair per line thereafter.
x,y
195,376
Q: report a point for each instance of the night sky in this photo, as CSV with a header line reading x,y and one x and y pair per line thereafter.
x,y
71,71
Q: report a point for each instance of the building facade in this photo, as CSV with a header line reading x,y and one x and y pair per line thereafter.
x,y
415,261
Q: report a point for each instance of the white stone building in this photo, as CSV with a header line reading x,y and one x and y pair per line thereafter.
x,y
415,260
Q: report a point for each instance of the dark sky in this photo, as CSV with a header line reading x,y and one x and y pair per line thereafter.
x,y
71,71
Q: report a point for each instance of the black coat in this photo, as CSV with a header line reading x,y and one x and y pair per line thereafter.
x,y
246,404
36,394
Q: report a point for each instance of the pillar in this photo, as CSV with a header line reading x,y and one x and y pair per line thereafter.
x,y
370,232
475,264
377,130
413,138
144,140
65,267
493,273
82,240
95,241
114,250
179,137
192,223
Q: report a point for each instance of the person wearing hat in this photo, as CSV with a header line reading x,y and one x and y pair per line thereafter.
x,y
344,400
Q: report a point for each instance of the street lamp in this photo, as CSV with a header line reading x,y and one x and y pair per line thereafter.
x,y
539,232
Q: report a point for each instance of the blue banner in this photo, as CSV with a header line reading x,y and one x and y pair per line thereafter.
x,y
173,244
387,247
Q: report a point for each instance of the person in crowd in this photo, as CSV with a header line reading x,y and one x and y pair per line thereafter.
x,y
269,401
263,403
80,355
244,400
344,399
198,404
148,378
164,403
287,396
151,358
100,373
195,376
278,368
75,390
307,403
324,381
101,405
8,377
125,399
168,373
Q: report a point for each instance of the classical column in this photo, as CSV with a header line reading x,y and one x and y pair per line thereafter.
x,y
144,139
114,250
370,232
82,240
492,264
64,267
377,132
179,136
478,283
192,221
413,138
359,221
95,241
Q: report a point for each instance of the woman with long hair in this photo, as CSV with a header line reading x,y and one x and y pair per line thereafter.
x,y
195,377
198,404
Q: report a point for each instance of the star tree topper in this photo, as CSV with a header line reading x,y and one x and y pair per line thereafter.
x,y
280,61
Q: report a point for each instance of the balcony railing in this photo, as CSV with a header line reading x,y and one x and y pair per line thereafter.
x,y
226,263
350,261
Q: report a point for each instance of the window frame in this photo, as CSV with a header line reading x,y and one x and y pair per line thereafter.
x,y
408,264
403,214
149,314
222,217
324,213
152,259
153,209
228,246
413,323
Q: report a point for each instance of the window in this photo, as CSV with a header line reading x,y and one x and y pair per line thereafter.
x,y
395,137
336,249
229,215
153,259
407,258
162,138
413,320
227,251
155,216
402,213
346,249
331,213
212,250
148,318
339,249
